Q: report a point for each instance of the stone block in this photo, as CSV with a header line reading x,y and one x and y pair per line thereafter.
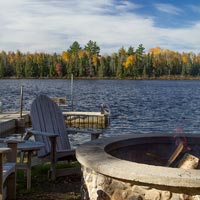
x,y
135,197
196,197
152,195
102,195
117,196
139,189
165,195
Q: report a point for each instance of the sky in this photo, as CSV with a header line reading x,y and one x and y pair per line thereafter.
x,y
53,25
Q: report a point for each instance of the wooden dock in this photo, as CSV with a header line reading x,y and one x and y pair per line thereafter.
x,y
10,122
86,119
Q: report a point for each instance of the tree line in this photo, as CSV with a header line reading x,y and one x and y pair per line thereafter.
x,y
84,62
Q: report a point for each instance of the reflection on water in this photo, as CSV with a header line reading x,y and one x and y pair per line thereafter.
x,y
136,106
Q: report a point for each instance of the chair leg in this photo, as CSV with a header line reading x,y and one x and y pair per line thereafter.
x,y
1,193
28,170
53,158
94,136
1,176
11,186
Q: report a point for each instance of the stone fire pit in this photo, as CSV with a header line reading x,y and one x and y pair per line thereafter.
x,y
133,167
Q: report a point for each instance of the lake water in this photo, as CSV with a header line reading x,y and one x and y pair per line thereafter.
x,y
147,106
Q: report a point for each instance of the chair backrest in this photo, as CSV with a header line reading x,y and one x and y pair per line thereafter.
x,y
46,116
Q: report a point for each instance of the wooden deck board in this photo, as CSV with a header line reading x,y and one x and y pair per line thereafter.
x,y
8,121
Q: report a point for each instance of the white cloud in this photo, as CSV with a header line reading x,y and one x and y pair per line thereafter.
x,y
168,8
183,39
52,26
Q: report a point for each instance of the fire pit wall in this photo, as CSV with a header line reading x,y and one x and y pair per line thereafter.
x,y
133,168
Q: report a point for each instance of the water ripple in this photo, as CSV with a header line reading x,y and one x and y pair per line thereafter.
x,y
136,106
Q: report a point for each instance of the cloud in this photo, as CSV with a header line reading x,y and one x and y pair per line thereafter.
x,y
53,25
183,39
195,8
168,8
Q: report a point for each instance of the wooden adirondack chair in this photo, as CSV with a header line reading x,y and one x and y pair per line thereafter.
x,y
48,126
8,170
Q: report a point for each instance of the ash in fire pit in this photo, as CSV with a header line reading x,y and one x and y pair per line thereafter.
x,y
135,167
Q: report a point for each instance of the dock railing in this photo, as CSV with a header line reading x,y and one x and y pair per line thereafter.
x,y
93,120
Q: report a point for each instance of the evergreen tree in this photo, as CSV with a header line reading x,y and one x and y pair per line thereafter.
x,y
92,47
19,64
130,51
139,60
29,66
74,48
101,67
121,61
1,68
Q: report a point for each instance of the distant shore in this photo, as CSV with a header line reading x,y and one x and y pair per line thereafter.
x,y
113,78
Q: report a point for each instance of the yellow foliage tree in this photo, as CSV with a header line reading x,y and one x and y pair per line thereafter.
x,y
95,60
185,58
197,58
155,51
65,56
130,61
81,54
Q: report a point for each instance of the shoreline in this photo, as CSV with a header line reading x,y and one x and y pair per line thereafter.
x,y
104,78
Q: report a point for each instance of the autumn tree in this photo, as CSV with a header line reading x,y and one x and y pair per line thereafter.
x,y
196,67
148,66
19,69
101,71
92,50
29,66
134,63
121,60
185,64
59,69
1,68
2,64
113,64
130,66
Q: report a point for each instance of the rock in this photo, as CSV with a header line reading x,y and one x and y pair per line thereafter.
x,y
117,195
138,189
152,195
135,197
165,195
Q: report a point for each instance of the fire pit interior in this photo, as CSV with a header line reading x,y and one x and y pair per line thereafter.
x,y
159,151
140,166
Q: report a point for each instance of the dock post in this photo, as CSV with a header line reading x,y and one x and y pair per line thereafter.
x,y
72,95
0,106
21,120
21,102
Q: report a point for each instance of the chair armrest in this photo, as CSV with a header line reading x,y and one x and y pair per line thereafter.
x,y
4,150
42,133
11,144
10,140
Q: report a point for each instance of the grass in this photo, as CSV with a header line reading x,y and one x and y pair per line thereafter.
x,y
64,188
